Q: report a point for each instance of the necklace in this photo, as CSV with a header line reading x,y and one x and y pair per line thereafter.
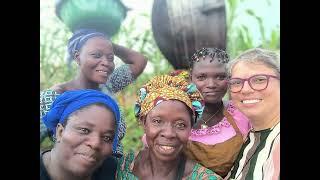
x,y
204,124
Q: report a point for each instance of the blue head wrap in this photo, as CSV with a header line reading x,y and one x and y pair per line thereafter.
x,y
79,38
71,101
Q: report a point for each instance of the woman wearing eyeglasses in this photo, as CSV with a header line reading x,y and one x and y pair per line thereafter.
x,y
254,86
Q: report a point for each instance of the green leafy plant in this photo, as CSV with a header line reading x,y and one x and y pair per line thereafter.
x,y
239,38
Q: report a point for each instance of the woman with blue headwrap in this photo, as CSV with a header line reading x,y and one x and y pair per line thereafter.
x,y
94,54
85,124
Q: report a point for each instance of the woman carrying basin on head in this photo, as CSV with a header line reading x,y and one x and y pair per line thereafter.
x,y
94,54
216,138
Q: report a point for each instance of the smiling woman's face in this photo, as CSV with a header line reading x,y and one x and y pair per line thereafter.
x,y
210,78
256,104
167,127
86,140
96,60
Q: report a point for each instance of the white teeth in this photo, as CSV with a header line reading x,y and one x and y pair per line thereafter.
x,y
251,101
167,147
103,72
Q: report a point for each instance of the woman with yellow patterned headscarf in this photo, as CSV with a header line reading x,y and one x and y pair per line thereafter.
x,y
167,107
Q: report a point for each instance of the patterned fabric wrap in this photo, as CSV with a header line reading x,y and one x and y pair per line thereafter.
x,y
119,79
79,38
180,72
166,87
126,164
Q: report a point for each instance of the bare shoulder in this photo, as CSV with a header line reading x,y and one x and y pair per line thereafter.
x,y
59,88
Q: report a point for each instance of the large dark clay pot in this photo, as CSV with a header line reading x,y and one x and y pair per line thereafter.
x,y
180,27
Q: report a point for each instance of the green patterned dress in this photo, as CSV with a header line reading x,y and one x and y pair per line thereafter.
x,y
126,163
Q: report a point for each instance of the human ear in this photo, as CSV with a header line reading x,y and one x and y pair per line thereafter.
x,y
59,131
143,122
76,57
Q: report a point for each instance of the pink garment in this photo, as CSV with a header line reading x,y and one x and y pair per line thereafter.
x,y
222,131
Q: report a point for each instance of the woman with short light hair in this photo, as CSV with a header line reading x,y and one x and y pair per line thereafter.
x,y
254,86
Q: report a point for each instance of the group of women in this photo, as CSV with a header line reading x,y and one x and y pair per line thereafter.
x,y
191,130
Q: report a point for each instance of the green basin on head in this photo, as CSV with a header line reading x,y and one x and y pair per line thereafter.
x,y
102,15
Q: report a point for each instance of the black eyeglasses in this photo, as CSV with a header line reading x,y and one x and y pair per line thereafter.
x,y
257,82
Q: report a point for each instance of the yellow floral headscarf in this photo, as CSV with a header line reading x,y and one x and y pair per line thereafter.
x,y
165,87
180,72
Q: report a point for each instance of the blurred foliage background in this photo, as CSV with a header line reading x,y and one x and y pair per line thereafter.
x,y
136,33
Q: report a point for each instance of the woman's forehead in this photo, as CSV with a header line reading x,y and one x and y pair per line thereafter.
x,y
93,109
93,115
247,69
206,65
163,106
